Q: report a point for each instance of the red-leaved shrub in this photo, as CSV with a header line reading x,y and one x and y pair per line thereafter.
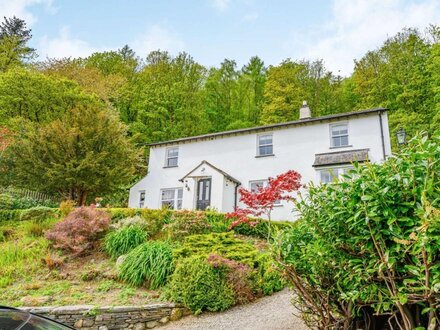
x,y
238,276
79,232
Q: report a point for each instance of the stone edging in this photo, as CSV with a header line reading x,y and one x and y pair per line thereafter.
x,y
87,317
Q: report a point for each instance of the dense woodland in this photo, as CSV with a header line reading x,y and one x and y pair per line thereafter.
x,y
84,115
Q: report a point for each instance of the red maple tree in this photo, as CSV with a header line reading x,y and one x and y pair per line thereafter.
x,y
262,201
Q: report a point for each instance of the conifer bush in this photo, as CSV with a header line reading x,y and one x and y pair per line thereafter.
x,y
124,240
199,286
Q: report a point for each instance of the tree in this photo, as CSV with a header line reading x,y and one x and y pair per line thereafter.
x,y
402,75
30,95
83,154
292,82
262,201
165,99
14,37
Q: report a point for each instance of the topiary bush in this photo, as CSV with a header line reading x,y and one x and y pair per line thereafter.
x,y
150,264
199,286
80,231
366,253
124,240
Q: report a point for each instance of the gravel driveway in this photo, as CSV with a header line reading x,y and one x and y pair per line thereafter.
x,y
272,313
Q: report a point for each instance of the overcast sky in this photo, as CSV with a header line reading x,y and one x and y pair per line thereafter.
x,y
336,31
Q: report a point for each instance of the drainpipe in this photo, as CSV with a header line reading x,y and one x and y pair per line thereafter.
x,y
235,195
381,135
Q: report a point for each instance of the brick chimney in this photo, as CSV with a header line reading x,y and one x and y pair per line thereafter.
x,y
304,111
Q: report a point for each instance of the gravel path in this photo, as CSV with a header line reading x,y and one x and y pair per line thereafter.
x,y
268,313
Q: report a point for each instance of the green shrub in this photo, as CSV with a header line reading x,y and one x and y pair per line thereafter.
x,y
124,240
241,278
37,228
149,264
218,222
66,207
223,244
154,220
39,213
199,286
6,201
270,279
367,249
184,223
10,215
261,228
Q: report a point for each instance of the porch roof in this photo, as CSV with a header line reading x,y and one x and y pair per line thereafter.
x,y
204,162
341,157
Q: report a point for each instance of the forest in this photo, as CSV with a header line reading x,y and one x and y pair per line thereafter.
x,y
79,127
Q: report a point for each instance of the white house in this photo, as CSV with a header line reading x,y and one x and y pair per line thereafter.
x,y
205,171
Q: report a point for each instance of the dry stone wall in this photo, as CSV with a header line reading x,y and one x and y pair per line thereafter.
x,y
85,317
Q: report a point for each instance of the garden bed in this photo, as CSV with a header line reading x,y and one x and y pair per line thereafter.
x,y
34,272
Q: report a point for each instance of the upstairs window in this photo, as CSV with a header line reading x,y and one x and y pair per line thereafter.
x,y
265,145
339,135
141,198
172,157
172,198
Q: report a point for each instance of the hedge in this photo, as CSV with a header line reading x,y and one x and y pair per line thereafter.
x,y
159,217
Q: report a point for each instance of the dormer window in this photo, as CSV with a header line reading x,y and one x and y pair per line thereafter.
x,y
172,157
265,145
339,135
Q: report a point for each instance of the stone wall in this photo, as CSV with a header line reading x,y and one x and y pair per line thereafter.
x,y
87,317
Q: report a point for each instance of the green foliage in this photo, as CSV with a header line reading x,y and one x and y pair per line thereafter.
x,y
199,286
260,227
10,215
38,214
37,228
84,152
124,240
66,207
184,223
371,241
222,244
150,264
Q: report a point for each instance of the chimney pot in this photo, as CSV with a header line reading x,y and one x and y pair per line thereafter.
x,y
304,111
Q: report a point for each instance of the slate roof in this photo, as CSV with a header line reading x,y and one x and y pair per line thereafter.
x,y
268,127
226,175
341,157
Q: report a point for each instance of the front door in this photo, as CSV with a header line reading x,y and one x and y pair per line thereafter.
x,y
203,194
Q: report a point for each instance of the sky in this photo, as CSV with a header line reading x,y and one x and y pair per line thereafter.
x,y
337,31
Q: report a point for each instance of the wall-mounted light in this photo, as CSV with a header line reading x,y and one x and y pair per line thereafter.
x,y
401,136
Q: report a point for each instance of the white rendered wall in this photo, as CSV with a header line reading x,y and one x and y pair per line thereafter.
x,y
294,149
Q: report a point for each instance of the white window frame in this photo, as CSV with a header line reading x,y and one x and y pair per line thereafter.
x,y
264,145
332,145
338,170
141,198
175,200
264,184
167,157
